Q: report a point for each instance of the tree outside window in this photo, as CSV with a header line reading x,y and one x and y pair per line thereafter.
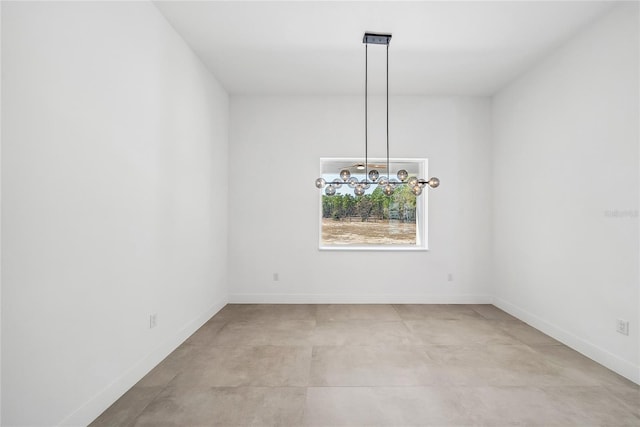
x,y
373,221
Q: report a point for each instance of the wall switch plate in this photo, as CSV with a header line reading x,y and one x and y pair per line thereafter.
x,y
622,326
153,320
276,277
450,277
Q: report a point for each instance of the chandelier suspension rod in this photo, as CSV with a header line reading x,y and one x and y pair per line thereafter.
x,y
366,103
387,110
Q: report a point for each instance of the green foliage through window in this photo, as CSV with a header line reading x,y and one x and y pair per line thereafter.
x,y
400,206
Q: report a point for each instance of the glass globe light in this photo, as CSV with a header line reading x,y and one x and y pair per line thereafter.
x,y
403,175
383,181
359,190
373,175
337,183
416,190
413,181
352,182
388,189
330,190
345,174
366,184
433,182
320,182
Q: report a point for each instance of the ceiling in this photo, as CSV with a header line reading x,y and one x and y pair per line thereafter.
x,y
438,48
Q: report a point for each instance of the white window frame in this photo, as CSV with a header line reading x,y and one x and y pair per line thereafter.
x,y
422,204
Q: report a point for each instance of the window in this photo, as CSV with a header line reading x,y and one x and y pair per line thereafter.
x,y
373,221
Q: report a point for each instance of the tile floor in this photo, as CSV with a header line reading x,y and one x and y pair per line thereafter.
x,y
400,365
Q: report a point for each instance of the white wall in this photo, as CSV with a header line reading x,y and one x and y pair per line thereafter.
x,y
0,220
565,159
114,136
282,139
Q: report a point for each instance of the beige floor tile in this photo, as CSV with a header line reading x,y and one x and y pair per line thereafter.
x,y
343,312
276,332
370,366
629,395
434,311
363,332
498,365
383,406
580,366
507,406
591,406
126,409
248,366
464,331
266,312
197,406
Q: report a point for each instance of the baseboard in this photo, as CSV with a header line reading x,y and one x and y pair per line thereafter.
x,y
592,351
90,410
357,299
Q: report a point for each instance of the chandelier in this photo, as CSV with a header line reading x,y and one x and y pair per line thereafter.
x,y
373,177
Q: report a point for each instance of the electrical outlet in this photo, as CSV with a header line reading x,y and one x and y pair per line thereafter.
x,y
622,327
276,277
153,320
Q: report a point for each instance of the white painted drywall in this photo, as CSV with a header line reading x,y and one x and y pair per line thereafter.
x,y
0,220
565,161
275,146
114,159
